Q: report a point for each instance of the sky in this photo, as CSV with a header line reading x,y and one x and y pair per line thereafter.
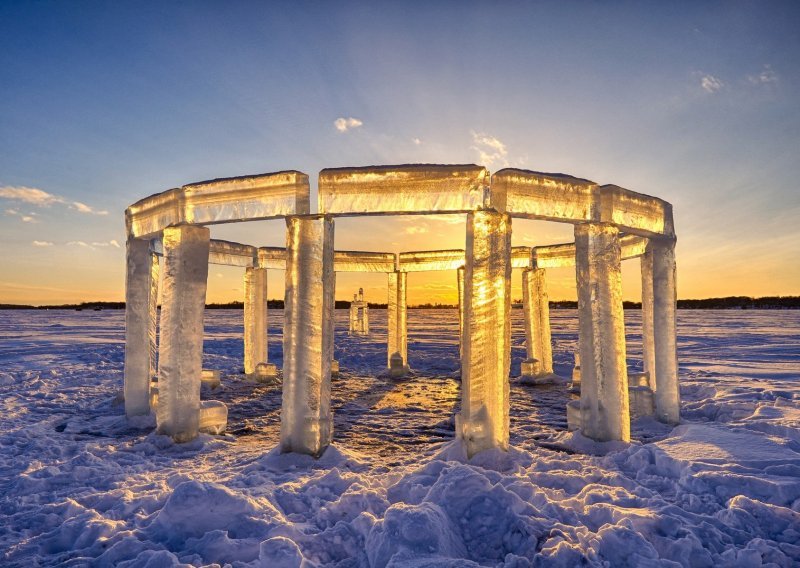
x,y
103,103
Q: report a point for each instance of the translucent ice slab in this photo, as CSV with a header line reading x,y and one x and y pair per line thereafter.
x,y
222,200
362,261
555,256
272,257
232,254
559,197
431,260
418,188
213,416
537,195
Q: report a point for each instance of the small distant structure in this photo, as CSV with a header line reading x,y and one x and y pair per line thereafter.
x,y
359,314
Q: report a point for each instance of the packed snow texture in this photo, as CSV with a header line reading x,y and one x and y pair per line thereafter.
x,y
80,485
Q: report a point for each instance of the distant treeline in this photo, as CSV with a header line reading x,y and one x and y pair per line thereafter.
x,y
729,303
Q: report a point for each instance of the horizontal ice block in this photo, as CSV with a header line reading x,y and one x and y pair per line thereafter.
x,y
556,256
272,257
559,197
232,254
417,188
224,200
213,417
344,261
431,260
537,195
362,261
635,212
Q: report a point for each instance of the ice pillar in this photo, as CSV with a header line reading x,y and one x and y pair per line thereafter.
x,y
180,358
648,340
306,421
460,276
605,413
255,318
667,394
141,316
396,320
536,306
486,337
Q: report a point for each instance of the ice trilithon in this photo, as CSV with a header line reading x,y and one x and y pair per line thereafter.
x,y
397,348
186,249
359,314
537,318
141,316
306,421
605,413
484,419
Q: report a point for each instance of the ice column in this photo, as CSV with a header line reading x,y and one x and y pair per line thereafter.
x,y
306,420
460,276
141,315
180,358
486,338
605,413
667,395
396,322
648,341
255,318
537,318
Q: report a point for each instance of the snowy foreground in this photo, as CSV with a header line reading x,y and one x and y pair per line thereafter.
x,y
80,486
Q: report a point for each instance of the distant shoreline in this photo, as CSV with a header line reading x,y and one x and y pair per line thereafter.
x,y
726,303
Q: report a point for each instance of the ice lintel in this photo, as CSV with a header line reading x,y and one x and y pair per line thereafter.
x,y
344,261
520,257
406,189
424,261
452,259
559,197
560,255
272,257
546,196
364,261
232,254
223,200
635,212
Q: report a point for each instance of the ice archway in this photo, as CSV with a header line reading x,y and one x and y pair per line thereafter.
x,y
611,223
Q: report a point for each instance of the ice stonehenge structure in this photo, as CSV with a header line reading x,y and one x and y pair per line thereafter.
x,y
610,224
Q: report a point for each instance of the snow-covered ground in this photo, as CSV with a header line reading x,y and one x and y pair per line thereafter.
x,y
79,486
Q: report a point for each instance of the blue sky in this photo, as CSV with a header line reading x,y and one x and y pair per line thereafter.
x,y
104,103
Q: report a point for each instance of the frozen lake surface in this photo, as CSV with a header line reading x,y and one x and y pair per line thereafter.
x,y
80,486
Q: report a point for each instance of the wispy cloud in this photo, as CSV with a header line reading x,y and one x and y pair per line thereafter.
x,y
25,218
41,198
765,77
42,243
491,151
344,124
711,84
417,141
94,244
